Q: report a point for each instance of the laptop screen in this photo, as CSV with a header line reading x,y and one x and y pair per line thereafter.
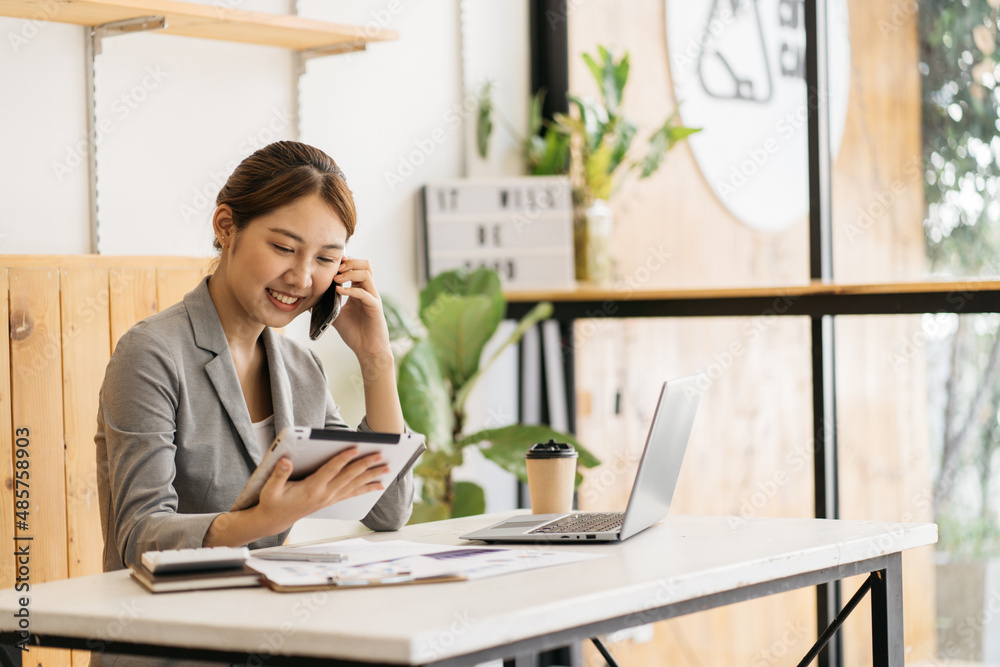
x,y
663,455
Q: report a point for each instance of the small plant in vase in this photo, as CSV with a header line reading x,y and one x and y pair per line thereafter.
x,y
459,313
592,145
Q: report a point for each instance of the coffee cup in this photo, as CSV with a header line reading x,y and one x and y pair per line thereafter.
x,y
551,477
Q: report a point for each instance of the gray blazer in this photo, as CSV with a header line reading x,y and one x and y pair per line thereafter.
x,y
175,443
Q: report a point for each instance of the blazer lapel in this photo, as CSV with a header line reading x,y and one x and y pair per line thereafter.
x,y
281,390
221,370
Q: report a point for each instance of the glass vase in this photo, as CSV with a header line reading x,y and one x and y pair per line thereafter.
x,y
593,228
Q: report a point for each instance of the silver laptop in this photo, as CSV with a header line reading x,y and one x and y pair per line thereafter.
x,y
654,485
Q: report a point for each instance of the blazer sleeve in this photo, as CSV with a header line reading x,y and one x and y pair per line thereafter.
x,y
393,509
139,400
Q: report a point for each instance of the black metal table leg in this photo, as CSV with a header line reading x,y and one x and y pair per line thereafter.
x,y
887,614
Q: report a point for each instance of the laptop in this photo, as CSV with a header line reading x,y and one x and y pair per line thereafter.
x,y
654,485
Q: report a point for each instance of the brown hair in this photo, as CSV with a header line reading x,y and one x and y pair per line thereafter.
x,y
281,173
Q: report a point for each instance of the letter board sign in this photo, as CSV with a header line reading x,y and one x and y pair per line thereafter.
x,y
522,227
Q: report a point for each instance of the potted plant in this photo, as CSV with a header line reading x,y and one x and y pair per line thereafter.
x,y
459,313
591,145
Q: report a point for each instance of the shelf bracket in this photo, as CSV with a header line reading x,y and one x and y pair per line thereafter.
x,y
92,45
301,57
139,24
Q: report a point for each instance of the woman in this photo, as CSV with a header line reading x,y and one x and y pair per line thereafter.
x,y
193,396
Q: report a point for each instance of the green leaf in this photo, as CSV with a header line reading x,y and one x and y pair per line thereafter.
x,y
540,312
621,75
507,446
661,142
596,173
594,119
484,119
612,93
678,133
424,396
621,141
555,156
610,77
569,125
470,499
597,70
435,467
401,324
462,317
535,113
425,512
459,282
459,328
484,127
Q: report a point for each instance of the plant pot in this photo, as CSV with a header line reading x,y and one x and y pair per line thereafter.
x,y
593,229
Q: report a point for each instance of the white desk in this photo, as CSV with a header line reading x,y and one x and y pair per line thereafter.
x,y
680,566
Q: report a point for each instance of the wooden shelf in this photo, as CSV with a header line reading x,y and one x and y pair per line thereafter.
x,y
811,299
585,292
204,21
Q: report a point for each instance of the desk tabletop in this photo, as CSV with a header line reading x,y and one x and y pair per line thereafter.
x,y
681,558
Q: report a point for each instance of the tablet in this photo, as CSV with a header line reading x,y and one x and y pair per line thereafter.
x,y
310,448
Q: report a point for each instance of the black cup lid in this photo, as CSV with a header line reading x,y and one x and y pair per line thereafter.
x,y
551,450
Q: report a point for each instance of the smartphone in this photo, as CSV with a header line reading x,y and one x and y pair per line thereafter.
x,y
325,312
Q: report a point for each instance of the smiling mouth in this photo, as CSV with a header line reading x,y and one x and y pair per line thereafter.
x,y
287,300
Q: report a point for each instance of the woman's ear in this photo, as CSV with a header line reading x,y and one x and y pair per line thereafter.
x,y
222,224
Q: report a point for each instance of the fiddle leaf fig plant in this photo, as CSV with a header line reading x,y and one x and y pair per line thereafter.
x,y
459,313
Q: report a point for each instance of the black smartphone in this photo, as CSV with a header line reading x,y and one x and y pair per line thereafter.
x,y
325,312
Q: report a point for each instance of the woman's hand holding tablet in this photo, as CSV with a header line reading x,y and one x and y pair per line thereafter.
x,y
328,473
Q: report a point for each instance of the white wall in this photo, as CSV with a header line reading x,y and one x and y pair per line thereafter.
x,y
369,111
176,114
42,124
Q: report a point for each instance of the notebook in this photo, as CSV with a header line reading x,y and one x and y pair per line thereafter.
x,y
652,491
238,577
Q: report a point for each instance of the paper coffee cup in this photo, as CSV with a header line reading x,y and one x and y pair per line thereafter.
x,y
551,476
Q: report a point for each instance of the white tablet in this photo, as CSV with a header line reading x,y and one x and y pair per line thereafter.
x,y
310,448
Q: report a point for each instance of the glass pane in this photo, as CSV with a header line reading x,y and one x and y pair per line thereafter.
x,y
961,149
919,435
729,206
750,455
916,176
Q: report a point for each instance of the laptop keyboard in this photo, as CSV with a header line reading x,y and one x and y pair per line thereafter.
x,y
590,522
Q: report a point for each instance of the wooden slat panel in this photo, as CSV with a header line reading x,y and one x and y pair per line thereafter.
x,y
172,284
7,576
132,298
101,261
36,396
86,342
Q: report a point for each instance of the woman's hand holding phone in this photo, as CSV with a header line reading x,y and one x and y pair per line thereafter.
x,y
362,326
361,322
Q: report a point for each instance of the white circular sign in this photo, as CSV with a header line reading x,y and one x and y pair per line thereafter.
x,y
738,69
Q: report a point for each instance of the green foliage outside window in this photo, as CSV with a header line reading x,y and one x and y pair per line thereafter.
x,y
961,159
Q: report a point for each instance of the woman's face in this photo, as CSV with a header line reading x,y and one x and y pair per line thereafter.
x,y
281,263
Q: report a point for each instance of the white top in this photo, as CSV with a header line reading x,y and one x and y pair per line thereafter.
x,y
264,430
681,558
